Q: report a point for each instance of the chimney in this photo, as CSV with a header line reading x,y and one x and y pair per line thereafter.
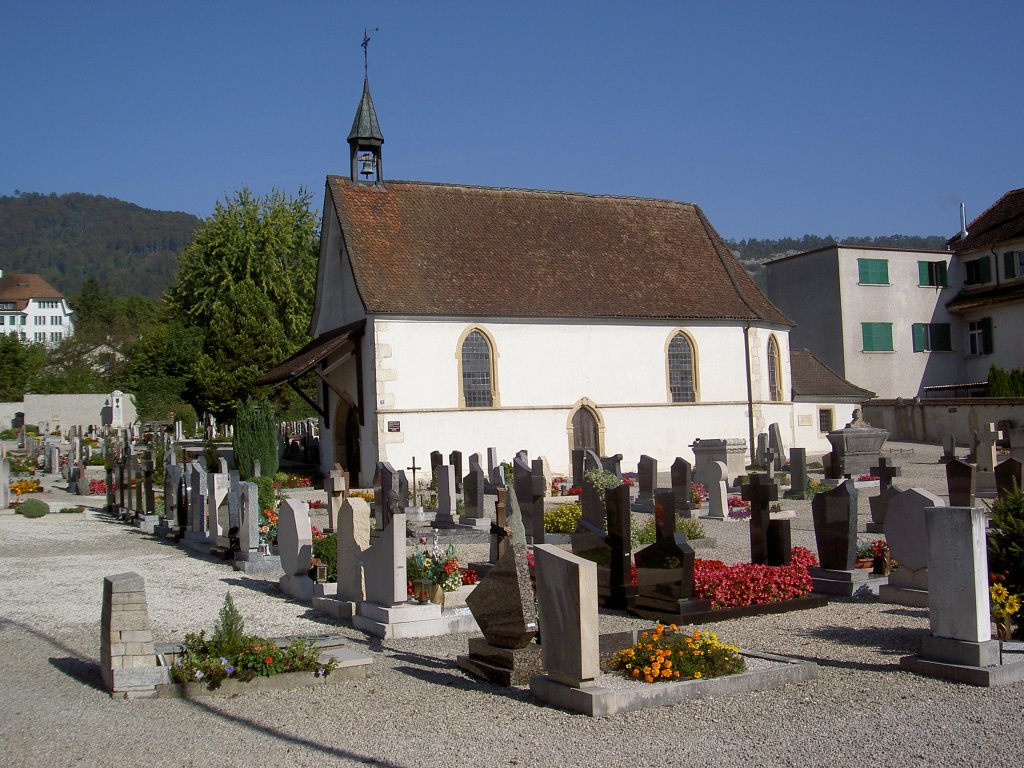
x,y
963,222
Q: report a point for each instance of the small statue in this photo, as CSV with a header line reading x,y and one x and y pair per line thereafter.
x,y
857,422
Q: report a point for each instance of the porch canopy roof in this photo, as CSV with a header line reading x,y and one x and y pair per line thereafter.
x,y
307,358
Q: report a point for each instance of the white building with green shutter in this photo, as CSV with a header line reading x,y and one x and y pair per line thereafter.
x,y
876,316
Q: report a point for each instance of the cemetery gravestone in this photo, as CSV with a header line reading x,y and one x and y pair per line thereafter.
x,y
885,473
592,498
539,486
385,494
759,492
613,464
798,470
906,533
835,526
445,475
1008,476
960,483
681,477
985,479
473,493
436,460
353,540
295,546
523,487
336,487
619,542
778,448
455,460
647,477
718,494
567,599
502,603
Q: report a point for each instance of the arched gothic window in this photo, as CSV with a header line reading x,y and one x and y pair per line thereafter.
x,y
682,374
477,379
774,373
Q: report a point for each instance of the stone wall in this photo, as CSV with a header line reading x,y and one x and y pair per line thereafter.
x,y
66,410
933,420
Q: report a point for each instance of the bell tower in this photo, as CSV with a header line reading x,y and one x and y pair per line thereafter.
x,y
365,139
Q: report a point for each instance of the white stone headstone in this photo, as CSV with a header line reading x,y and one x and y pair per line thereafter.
x,y
445,491
384,566
335,487
718,493
217,486
958,600
249,528
353,534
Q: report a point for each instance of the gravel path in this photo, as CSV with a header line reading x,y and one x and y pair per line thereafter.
x,y
418,709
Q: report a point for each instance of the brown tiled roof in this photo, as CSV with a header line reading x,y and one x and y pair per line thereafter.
x,y
1003,221
305,359
21,288
812,379
1001,294
443,249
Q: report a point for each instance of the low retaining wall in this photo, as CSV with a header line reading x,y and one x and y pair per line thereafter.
x,y
933,420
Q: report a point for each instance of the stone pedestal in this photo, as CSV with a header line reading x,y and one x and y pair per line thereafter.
x,y
845,583
501,666
412,620
127,659
906,587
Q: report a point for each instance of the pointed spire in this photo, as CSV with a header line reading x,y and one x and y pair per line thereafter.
x,y
365,128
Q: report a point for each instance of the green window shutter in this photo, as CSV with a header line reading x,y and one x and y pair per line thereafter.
x,y
863,271
986,336
986,270
940,336
920,341
867,332
884,334
877,337
923,277
1009,265
941,271
873,271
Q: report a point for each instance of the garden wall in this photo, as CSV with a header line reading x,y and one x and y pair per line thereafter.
x,y
66,410
933,420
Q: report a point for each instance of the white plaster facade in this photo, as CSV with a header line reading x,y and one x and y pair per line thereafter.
x,y
33,310
822,292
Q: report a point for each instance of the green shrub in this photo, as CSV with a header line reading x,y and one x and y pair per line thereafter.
x,y
563,519
8,434
95,460
229,631
212,456
1006,544
71,510
256,437
268,496
33,508
646,532
325,549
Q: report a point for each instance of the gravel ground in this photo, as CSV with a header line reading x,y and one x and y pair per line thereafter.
x,y
418,709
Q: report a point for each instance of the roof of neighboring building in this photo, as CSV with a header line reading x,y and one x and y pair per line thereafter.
x,y
20,289
453,250
1003,221
852,246
985,297
813,380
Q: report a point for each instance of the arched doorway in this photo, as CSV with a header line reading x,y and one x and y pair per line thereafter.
x,y
584,430
346,440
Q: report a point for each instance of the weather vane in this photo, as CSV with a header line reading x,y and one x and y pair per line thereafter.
x,y
366,49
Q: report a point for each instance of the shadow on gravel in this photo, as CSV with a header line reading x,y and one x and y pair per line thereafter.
x,y
913,613
463,683
886,641
265,729
85,672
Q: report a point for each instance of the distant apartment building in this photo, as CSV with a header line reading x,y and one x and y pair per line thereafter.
x,y
875,316
906,323
33,310
990,307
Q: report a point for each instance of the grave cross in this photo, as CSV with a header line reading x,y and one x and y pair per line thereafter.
x,y
415,489
885,473
770,457
986,453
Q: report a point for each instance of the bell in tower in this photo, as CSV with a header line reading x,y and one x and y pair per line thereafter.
x,y
365,139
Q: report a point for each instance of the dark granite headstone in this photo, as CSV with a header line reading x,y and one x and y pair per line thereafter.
x,y
403,489
647,477
592,501
502,603
960,483
682,474
538,492
149,493
455,459
1008,476
780,542
577,467
835,526
775,443
798,469
473,490
385,492
501,534
182,491
760,492
885,473
523,486
761,451
619,541
613,464
670,552
436,460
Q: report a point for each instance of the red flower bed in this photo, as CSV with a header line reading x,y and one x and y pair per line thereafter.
x,y
729,586
97,487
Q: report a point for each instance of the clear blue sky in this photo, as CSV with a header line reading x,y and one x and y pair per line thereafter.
x,y
777,118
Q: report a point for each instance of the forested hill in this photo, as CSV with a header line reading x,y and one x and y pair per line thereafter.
x,y
753,253
132,251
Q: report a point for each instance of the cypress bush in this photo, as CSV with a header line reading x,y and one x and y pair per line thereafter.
x,y
1006,540
256,438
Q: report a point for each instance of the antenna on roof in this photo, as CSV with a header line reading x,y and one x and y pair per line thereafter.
x,y
963,222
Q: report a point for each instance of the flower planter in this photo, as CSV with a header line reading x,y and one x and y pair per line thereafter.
x,y
281,682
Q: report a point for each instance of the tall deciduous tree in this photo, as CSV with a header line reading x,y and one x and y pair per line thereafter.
x,y
247,281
